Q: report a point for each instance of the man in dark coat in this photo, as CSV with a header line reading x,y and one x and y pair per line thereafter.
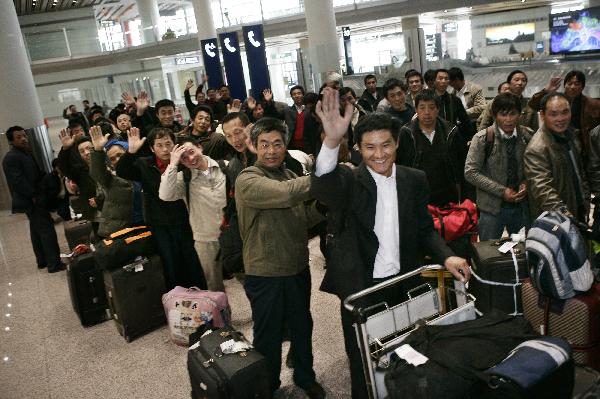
x,y
384,225
23,176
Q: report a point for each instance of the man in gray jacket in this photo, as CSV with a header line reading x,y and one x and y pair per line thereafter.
x,y
495,167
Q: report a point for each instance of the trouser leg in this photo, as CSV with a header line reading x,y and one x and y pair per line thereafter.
x,y
189,263
357,376
43,238
162,240
36,241
213,271
266,296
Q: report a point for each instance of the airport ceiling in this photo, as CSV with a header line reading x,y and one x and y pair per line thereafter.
x,y
117,9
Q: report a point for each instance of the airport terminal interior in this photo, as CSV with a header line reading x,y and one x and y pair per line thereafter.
x,y
57,53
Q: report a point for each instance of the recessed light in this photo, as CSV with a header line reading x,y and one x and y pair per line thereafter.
x,y
9,305
5,358
10,294
6,328
7,314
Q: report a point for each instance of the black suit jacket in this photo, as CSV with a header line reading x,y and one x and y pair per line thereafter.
x,y
352,196
23,177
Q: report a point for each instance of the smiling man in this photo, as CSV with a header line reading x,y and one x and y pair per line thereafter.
x,y
383,210
553,164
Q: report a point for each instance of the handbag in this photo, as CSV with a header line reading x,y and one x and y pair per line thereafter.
x,y
454,220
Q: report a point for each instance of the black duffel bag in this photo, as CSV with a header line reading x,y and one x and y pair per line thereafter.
x,y
458,356
123,246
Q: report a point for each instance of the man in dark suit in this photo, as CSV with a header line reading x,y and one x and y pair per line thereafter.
x,y
383,226
24,176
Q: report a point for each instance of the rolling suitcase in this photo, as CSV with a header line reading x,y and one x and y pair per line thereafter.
x,y
494,267
134,294
218,375
576,319
77,232
86,287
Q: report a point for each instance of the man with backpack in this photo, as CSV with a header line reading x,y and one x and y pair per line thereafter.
x,y
495,167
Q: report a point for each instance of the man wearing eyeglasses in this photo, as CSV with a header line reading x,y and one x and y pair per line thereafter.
x,y
274,217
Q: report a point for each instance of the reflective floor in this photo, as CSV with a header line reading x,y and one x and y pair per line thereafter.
x,y
46,353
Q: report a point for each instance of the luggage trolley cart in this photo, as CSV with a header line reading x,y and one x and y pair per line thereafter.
x,y
379,332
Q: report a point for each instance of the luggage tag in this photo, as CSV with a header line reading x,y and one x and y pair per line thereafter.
x,y
507,246
410,355
233,346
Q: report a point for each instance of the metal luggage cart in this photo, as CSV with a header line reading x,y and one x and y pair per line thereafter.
x,y
380,332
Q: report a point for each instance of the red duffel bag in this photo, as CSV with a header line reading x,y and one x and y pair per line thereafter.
x,y
454,220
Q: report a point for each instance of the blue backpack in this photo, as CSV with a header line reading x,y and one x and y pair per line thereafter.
x,y
556,253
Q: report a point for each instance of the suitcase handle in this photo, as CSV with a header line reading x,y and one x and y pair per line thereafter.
x,y
384,284
410,292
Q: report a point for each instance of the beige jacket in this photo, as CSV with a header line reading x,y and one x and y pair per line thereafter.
x,y
474,98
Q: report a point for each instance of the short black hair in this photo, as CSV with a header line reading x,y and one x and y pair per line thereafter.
x,y
549,97
181,140
236,115
73,123
392,84
114,114
10,132
500,86
506,102
297,87
346,90
513,73
204,108
210,89
429,75
575,74
86,101
411,73
377,121
310,98
81,140
370,76
427,95
443,70
455,73
223,85
268,124
96,110
165,102
159,133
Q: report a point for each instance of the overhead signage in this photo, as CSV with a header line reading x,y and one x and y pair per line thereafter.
x,y
187,60
254,40
234,71
212,64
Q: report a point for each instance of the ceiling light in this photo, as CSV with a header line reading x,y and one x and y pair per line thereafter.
x,y
9,305
10,294
7,314
5,358
6,328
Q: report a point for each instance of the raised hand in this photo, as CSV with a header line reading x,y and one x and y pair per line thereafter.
x,y
268,95
235,106
249,144
134,141
189,84
554,83
335,125
98,140
65,139
143,101
127,99
251,102
176,154
204,78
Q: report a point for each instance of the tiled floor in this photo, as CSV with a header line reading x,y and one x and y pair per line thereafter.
x,y
46,353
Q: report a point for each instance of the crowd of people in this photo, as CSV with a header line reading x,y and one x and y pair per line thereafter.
x,y
357,170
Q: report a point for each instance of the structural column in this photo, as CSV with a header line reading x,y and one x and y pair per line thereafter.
x,y
20,105
148,10
324,51
414,43
204,19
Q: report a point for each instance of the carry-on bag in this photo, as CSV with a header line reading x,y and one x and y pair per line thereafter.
x,y
77,232
86,288
496,277
123,246
576,319
223,365
381,328
134,293
187,309
454,220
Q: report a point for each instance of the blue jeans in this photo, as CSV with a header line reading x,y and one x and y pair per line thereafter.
x,y
491,226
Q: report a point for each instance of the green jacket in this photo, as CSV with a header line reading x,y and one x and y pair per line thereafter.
x,y
274,219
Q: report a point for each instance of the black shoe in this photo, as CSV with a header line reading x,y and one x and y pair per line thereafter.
x,y
315,391
58,268
41,266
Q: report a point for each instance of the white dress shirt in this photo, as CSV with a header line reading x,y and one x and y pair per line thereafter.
x,y
387,228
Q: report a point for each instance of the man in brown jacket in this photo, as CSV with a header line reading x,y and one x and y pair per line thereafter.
x,y
553,166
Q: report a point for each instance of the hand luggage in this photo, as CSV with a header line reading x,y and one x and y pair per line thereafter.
x,y
77,232
187,309
86,287
454,220
123,246
217,374
134,294
576,319
503,290
380,329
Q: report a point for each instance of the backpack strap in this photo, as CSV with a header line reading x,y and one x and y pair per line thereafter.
x,y
489,142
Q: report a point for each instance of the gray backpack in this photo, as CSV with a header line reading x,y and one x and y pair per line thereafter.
x,y
558,265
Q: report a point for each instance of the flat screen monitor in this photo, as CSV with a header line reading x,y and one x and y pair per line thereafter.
x,y
575,32
510,34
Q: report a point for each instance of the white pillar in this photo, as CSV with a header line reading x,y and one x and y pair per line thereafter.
x,y
204,19
148,10
323,41
414,43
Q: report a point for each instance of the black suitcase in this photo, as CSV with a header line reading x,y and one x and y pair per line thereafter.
x,y
492,265
86,287
134,294
77,232
214,375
